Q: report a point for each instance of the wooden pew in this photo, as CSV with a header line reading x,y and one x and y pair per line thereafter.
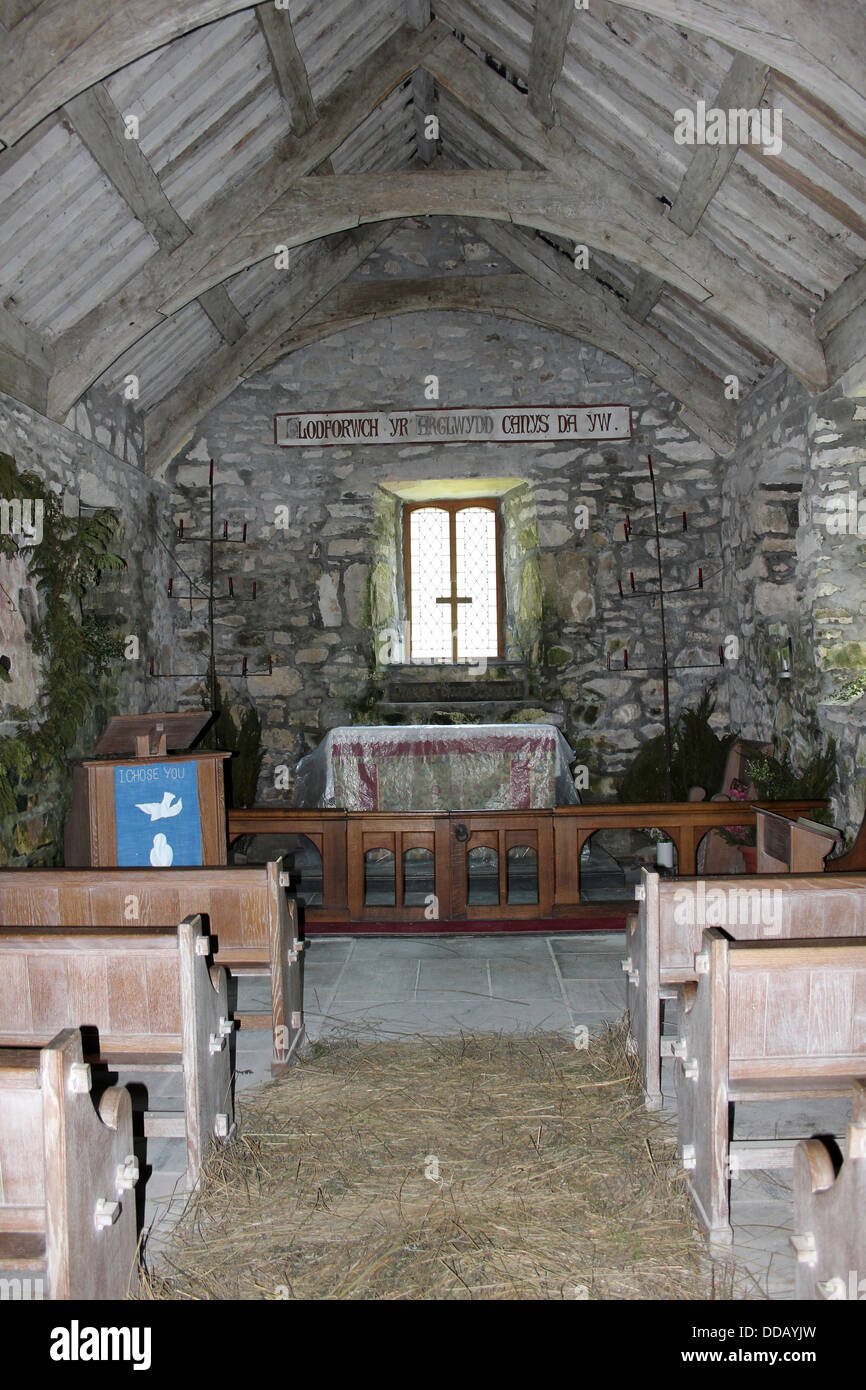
x,y
153,996
67,1174
248,912
787,846
766,1021
830,1213
664,936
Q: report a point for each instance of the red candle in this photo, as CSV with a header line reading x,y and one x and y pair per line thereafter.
x,y
619,582
684,522
625,660
245,529
254,589
244,671
700,579
231,589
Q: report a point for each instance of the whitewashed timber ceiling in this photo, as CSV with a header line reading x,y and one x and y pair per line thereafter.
x,y
153,256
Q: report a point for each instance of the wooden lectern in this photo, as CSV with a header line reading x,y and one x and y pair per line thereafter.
x,y
153,807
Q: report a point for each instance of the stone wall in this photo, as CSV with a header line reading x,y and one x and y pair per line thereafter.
x,y
316,611
87,473
794,542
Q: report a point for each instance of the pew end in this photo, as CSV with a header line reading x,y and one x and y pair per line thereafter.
x,y
830,1213
67,1173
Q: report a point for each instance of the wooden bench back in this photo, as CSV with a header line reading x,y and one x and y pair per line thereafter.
x,y
22,1181
238,902
795,1009
766,907
126,984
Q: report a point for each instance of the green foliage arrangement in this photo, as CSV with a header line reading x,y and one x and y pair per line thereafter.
x,y
778,780
244,740
77,647
698,757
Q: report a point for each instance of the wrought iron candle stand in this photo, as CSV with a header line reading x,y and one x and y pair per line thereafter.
x,y
657,590
207,594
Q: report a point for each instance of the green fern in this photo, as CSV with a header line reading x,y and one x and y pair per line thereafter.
x,y
77,648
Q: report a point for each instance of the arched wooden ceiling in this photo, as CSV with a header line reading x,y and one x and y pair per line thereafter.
x,y
304,127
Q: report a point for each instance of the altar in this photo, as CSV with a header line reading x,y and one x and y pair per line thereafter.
x,y
432,767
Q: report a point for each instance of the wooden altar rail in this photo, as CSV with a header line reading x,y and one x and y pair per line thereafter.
x,y
557,836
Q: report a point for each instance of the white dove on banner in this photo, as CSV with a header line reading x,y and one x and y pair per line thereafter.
x,y
162,853
159,810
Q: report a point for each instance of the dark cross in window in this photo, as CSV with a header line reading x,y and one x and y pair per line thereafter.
x,y
453,599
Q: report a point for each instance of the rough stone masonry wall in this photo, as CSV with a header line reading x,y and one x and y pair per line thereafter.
x,y
794,540
312,612
83,468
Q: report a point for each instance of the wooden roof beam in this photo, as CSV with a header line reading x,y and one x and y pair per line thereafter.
x,y
585,316
171,423
61,47
603,201
91,345
99,125
742,88
587,302
25,362
549,38
822,47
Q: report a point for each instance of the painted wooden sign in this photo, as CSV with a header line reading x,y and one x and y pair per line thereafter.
x,y
469,425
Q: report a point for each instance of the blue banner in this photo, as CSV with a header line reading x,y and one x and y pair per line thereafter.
x,y
157,815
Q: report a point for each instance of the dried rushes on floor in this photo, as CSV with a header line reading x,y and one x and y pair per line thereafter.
x,y
496,1167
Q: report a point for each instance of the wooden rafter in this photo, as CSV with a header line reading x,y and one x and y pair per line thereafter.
x,y
599,311
498,107
549,38
742,87
822,47
25,362
91,345
62,47
315,273
100,127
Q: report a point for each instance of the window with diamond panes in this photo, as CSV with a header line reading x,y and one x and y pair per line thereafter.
x,y
453,581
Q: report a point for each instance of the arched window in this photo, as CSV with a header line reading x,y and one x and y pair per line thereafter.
x,y
453,580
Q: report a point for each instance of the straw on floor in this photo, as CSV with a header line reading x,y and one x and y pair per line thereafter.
x,y
488,1167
